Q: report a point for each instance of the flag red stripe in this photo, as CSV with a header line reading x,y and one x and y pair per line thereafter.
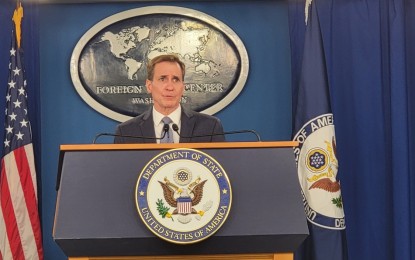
x,y
9,216
29,194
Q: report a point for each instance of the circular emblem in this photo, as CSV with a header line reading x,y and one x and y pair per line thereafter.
x,y
317,172
182,177
316,160
183,196
108,64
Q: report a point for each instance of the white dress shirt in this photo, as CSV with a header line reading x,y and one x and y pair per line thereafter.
x,y
158,123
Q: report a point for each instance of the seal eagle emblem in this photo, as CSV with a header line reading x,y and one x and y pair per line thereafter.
x,y
183,199
171,200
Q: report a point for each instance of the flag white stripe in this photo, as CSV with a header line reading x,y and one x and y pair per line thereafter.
x,y
31,161
4,241
24,224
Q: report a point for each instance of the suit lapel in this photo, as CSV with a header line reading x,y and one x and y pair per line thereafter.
x,y
187,125
147,126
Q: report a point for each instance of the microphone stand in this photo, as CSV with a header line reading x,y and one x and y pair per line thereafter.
x,y
165,130
176,129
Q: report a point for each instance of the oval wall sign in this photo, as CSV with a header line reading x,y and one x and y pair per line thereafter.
x,y
108,64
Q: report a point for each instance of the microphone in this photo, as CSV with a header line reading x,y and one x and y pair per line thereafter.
x,y
165,130
176,129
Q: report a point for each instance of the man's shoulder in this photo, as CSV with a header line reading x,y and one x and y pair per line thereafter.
x,y
199,116
135,120
206,117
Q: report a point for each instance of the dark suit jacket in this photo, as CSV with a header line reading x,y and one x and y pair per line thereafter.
x,y
192,124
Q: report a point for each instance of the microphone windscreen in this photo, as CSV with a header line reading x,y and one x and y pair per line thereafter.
x,y
175,128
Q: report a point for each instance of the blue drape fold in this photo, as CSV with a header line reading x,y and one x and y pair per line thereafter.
x,y
370,53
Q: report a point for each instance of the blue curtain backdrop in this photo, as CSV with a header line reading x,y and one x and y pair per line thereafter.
x,y
369,47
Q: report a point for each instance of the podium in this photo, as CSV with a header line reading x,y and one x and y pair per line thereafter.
x,y
96,216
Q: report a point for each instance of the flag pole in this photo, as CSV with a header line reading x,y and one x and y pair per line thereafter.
x,y
17,19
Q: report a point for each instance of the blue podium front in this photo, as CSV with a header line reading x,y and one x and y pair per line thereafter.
x,y
96,212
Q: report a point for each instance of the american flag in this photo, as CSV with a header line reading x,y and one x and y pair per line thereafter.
x,y
20,230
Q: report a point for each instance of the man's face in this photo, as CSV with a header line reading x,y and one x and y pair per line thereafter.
x,y
166,87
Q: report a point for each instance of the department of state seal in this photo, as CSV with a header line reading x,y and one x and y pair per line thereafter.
x,y
183,196
317,172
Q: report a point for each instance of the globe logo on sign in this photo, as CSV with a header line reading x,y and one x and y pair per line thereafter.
x,y
108,64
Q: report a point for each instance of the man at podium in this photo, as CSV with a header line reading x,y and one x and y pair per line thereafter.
x,y
167,121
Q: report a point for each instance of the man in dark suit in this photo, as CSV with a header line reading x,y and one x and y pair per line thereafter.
x,y
165,83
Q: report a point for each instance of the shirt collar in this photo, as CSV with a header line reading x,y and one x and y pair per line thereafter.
x,y
174,116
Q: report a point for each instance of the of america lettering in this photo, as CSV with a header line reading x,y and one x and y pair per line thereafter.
x,y
314,125
186,236
311,127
